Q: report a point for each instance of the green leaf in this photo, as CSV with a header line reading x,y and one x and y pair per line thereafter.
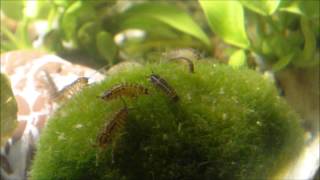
x,y
7,46
13,9
77,14
10,36
170,15
53,40
309,8
86,37
8,109
61,3
148,25
308,57
263,7
310,39
69,20
106,46
22,34
86,34
238,59
43,9
277,45
283,62
226,19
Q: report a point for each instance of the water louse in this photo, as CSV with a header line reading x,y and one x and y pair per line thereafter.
x,y
190,64
68,91
129,90
109,130
162,84
53,90
189,53
71,89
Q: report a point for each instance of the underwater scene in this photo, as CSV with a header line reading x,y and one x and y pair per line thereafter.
x,y
160,90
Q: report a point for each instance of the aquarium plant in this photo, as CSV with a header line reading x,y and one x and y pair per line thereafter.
x,y
227,123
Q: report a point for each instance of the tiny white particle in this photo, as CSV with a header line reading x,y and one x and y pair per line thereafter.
x,y
189,97
269,76
61,136
235,100
308,136
224,116
258,123
221,91
78,126
179,127
9,99
164,136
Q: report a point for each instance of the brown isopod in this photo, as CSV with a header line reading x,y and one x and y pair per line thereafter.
x,y
68,91
190,63
163,85
53,90
71,89
189,53
184,54
108,132
129,90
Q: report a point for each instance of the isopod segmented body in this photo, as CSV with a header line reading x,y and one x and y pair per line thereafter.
x,y
184,54
108,132
68,91
71,89
189,53
190,64
53,90
162,84
129,90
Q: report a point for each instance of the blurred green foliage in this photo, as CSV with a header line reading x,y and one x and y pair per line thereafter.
x,y
8,110
226,19
281,32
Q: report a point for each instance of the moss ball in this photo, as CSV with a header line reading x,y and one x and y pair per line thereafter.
x,y
227,124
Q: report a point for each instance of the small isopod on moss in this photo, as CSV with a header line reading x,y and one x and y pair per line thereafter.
x,y
71,89
163,85
190,63
68,91
129,90
189,53
109,130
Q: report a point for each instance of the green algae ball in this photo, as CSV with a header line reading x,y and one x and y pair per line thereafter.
x,y
227,124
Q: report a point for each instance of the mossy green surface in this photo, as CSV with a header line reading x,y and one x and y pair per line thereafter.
x,y
228,124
